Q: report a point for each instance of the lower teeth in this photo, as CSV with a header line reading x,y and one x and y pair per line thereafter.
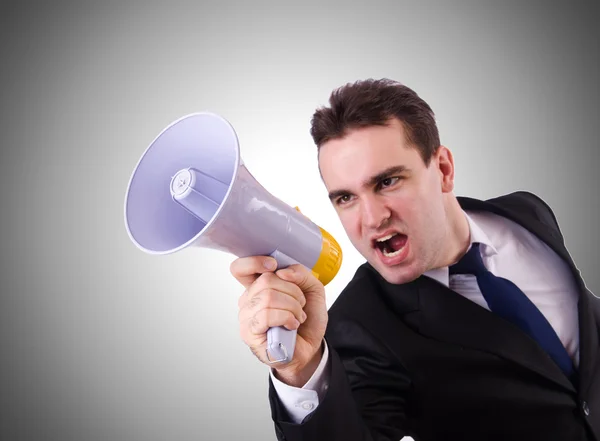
x,y
392,254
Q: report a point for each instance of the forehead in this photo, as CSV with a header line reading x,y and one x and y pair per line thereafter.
x,y
364,152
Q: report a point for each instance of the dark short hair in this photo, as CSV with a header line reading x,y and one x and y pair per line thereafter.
x,y
375,102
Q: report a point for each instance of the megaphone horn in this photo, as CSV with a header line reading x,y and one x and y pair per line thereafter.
x,y
191,188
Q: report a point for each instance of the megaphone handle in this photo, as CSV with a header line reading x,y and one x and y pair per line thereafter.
x,y
281,341
280,344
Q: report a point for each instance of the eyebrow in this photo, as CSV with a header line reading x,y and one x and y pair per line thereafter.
x,y
396,169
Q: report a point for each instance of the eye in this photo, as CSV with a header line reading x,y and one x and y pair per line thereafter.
x,y
343,199
388,182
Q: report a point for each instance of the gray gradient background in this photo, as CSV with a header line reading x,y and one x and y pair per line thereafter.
x,y
100,341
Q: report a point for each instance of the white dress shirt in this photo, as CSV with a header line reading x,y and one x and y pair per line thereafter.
x,y
508,250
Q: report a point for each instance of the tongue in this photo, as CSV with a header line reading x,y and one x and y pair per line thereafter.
x,y
396,242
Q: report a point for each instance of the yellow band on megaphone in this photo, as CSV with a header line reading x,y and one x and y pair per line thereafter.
x,y
330,259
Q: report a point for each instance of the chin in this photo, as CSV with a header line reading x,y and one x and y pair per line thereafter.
x,y
398,275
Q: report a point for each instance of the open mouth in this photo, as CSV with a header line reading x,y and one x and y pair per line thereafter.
x,y
391,245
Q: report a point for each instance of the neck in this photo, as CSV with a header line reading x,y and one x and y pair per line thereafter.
x,y
458,234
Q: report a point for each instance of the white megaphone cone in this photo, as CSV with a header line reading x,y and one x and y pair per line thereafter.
x,y
191,188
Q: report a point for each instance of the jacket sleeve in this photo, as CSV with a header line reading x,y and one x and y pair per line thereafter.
x,y
366,398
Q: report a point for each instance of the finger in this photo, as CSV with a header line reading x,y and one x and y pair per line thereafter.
x,y
271,299
270,281
265,319
247,269
301,277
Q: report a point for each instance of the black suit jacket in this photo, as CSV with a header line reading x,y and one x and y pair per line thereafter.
x,y
420,360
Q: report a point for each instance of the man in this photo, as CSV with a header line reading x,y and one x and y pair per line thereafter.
x,y
469,320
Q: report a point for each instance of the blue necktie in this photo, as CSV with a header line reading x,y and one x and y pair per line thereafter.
x,y
506,300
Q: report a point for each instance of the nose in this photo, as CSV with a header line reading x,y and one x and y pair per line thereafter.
x,y
374,212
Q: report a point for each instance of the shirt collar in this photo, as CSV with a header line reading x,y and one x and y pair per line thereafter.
x,y
476,234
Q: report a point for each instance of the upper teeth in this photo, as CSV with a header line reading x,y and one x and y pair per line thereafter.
x,y
383,239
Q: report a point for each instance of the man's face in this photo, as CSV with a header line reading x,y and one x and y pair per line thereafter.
x,y
381,189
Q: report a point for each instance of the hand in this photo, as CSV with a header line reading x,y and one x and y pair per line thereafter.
x,y
291,297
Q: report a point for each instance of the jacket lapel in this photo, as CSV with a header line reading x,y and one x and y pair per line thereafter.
x,y
449,317
439,313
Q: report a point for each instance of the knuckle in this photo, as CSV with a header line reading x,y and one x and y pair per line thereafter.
x,y
270,297
239,267
297,267
269,275
243,315
291,320
254,322
271,318
262,317
268,279
254,301
298,297
301,298
261,282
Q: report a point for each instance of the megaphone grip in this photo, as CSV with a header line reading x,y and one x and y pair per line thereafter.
x,y
280,344
281,341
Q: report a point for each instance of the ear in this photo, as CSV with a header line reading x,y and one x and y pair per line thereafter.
x,y
445,163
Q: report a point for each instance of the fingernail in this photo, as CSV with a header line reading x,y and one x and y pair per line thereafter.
x,y
270,264
304,316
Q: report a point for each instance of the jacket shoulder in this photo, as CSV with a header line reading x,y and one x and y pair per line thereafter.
x,y
353,294
538,207
519,204
367,299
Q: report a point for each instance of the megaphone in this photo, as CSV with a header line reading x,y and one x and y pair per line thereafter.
x,y
190,188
